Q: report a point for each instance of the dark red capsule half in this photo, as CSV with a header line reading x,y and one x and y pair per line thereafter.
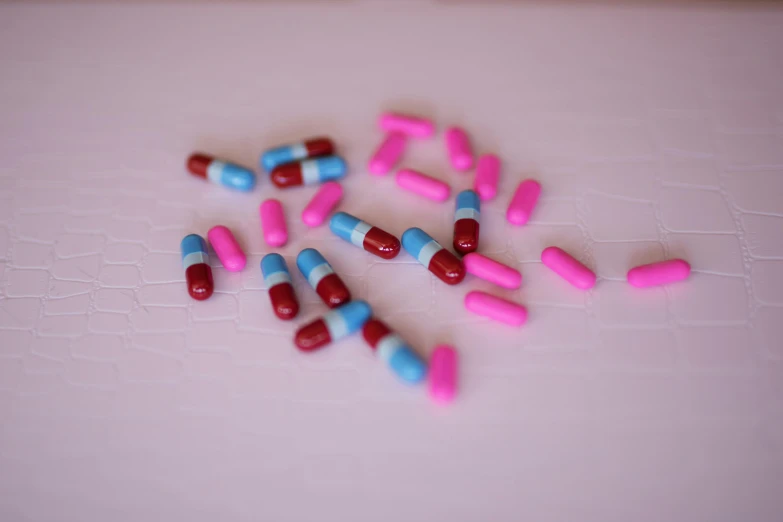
x,y
466,235
312,336
284,302
199,280
447,267
333,291
381,243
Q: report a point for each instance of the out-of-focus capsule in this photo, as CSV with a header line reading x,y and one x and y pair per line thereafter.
x,y
195,261
335,325
523,202
497,308
278,283
324,201
429,253
661,273
443,374
296,151
320,274
466,222
458,147
309,172
227,248
394,351
221,172
423,185
487,175
370,238
387,154
409,125
564,265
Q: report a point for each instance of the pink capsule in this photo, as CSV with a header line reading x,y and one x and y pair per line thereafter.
x,y
502,310
408,125
458,146
661,273
322,204
487,175
492,271
423,185
273,223
443,374
388,154
227,249
564,265
523,202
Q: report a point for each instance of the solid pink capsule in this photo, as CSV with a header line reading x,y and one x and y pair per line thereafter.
x,y
496,308
523,202
227,248
661,273
458,147
408,125
492,271
564,265
388,154
322,204
423,185
487,175
443,374
273,223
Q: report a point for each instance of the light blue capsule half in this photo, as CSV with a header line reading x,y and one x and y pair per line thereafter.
x,y
468,199
342,225
308,260
272,264
408,365
328,168
238,178
355,314
414,239
281,155
191,244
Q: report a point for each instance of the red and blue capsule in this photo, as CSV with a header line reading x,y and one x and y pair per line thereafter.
x,y
394,351
195,261
466,222
221,172
370,238
309,172
320,274
335,325
278,283
432,255
311,148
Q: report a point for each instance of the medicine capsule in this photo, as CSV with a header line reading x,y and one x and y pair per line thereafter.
x,y
394,351
322,204
320,274
370,238
296,151
195,261
466,222
661,273
278,283
273,223
309,172
492,271
429,253
443,374
564,265
227,248
523,202
333,326
497,308
221,172
387,154
487,175
408,125
459,149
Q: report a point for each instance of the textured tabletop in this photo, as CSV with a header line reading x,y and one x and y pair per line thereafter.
x,y
655,133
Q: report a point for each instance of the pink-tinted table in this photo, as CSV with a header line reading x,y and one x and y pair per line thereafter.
x,y
656,132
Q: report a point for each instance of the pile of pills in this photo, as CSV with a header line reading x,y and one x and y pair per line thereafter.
x,y
314,162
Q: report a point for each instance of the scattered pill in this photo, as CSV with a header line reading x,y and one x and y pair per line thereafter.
x,y
311,148
320,274
333,326
195,261
370,238
443,374
388,154
278,283
466,222
661,273
523,202
564,265
324,201
423,185
496,308
309,172
409,125
221,172
273,223
458,147
227,249
492,271
442,263
487,175
394,351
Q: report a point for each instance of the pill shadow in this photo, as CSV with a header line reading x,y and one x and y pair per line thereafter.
x,y
652,254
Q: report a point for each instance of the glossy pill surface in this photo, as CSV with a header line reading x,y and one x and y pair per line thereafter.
x,y
408,125
423,185
459,149
309,172
195,261
523,202
361,234
496,308
442,263
487,176
466,222
227,248
320,274
492,271
564,265
443,374
661,273
322,204
387,154
277,280
394,351
222,172
273,223
310,148
335,325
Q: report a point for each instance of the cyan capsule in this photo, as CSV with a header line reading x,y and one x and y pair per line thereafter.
x,y
320,274
309,172
362,234
336,324
297,151
432,255
222,173
394,351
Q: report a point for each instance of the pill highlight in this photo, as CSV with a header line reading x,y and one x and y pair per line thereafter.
x,y
459,149
309,172
442,263
366,236
273,223
523,202
492,271
221,172
661,273
394,351
408,125
487,176
195,261
333,326
496,308
443,374
280,288
322,204
564,265
227,248
423,185
387,154
310,148
466,222
320,274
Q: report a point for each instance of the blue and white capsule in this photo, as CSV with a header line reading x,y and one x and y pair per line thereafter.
x,y
365,236
320,274
466,222
309,172
311,148
221,172
394,351
195,261
278,283
335,325
442,263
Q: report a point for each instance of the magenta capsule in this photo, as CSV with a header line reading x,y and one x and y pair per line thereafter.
x,y
227,248
492,271
443,374
661,273
273,223
487,175
324,201
564,265
523,202
388,154
409,125
496,308
458,147
423,185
